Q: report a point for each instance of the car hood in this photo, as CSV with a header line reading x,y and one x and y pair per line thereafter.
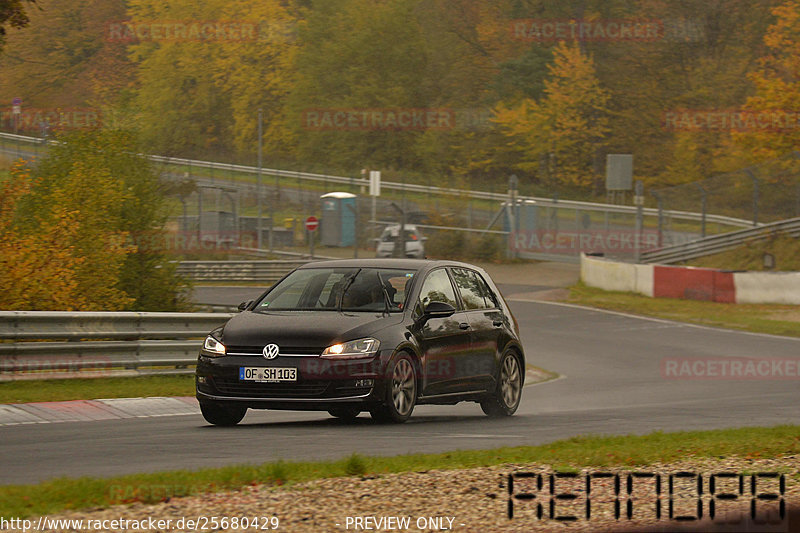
x,y
302,329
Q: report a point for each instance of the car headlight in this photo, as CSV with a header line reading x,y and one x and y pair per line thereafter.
x,y
213,347
353,349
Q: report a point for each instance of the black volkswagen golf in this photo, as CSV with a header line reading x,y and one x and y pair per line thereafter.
x,y
377,335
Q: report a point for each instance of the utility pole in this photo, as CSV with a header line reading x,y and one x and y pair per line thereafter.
x,y
258,183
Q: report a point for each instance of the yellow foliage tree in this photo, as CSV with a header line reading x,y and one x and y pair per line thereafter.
x,y
39,270
567,125
777,84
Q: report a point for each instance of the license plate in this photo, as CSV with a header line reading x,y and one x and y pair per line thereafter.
x,y
267,375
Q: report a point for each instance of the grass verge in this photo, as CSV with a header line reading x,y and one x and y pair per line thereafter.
x,y
784,249
64,494
758,318
56,390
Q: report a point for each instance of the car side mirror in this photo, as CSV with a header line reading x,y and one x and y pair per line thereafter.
x,y
244,305
438,310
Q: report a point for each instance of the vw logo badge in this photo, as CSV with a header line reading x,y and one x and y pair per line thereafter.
x,y
270,351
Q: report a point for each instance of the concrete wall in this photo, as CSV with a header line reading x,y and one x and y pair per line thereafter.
x,y
767,287
615,276
691,283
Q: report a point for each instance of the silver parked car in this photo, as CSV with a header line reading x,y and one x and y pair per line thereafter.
x,y
415,242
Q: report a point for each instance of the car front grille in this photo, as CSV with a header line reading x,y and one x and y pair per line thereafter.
x,y
256,351
234,387
321,389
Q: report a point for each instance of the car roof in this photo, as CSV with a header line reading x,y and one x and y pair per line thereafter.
x,y
396,227
410,264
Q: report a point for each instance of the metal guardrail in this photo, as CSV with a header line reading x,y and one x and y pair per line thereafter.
x,y
426,189
46,344
719,243
267,272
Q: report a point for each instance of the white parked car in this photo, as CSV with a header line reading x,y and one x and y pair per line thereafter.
x,y
415,242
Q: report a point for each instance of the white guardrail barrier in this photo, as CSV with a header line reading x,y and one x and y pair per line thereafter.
x,y
719,243
427,189
47,344
266,271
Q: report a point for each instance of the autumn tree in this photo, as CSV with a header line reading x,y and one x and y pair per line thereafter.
x,y
39,268
13,14
200,93
113,197
566,126
777,85
63,59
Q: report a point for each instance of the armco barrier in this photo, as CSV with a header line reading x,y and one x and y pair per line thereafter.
x,y
692,283
52,344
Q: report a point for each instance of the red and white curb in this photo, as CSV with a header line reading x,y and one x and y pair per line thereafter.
x,y
90,410
692,283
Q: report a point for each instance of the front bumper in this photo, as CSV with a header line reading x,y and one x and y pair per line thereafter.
x,y
321,383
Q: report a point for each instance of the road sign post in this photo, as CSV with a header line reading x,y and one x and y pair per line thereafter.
x,y
16,111
374,191
312,223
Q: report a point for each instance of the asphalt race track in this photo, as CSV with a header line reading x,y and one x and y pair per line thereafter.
x,y
612,383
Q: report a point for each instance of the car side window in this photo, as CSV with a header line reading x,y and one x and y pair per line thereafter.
x,y
470,289
437,288
491,298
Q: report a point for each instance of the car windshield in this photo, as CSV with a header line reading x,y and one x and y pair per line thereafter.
x,y
345,289
391,234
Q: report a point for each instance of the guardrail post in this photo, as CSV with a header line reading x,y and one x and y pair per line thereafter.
x,y
639,200
703,209
660,218
756,193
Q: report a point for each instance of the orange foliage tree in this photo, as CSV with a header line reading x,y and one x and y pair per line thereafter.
x,y
38,269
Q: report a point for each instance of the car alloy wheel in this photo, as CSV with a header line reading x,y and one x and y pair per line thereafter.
x,y
509,388
401,391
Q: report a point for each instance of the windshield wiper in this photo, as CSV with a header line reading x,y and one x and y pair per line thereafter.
x,y
349,281
386,298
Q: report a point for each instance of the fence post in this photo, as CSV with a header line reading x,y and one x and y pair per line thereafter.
x,y
660,218
703,209
512,218
639,201
753,177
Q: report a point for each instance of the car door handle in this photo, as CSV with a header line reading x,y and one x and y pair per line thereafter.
x,y
464,325
497,323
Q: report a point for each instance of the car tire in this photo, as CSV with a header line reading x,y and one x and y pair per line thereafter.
x,y
401,391
345,413
222,415
507,396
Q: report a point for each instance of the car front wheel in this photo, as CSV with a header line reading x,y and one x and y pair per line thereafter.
x,y
401,391
222,415
505,400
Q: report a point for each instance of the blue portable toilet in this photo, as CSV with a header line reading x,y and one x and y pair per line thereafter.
x,y
338,224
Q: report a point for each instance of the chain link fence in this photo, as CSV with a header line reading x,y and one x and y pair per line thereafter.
x,y
762,193
220,208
